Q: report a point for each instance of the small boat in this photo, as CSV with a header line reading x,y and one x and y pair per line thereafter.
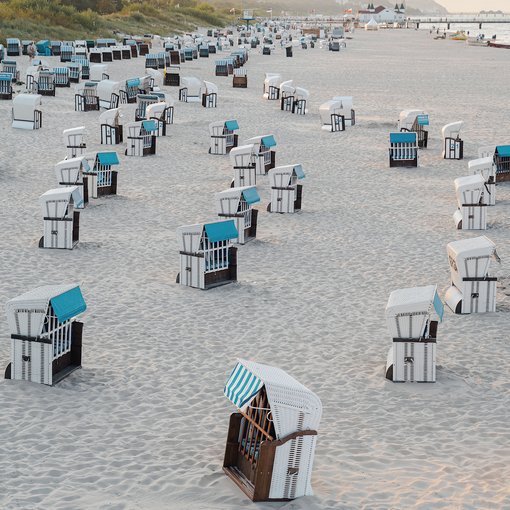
x,y
495,44
458,36
475,41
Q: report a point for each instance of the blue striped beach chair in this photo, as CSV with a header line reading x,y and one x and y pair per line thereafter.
x,y
61,77
13,47
5,86
66,53
403,149
10,67
46,83
151,61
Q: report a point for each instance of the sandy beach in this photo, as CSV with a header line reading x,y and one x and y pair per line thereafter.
x,y
143,424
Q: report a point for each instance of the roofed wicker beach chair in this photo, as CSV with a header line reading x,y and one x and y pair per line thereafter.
x,y
156,79
265,153
84,65
61,221
453,145
141,138
13,47
61,77
191,89
209,95
10,67
111,128
237,204
130,91
5,86
272,436
151,61
46,338
415,121
223,136
286,193
99,72
162,113
221,67
243,160
74,140
74,72
25,111
207,258
144,100
412,316
502,162
125,52
487,169
472,290
472,209
403,150
95,55
69,172
85,97
100,175
337,113
172,76
108,92
240,79
66,52
45,82
272,84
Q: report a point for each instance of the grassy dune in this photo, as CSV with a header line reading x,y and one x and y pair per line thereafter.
x,y
49,19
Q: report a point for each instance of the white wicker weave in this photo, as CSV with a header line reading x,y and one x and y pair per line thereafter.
x,y
294,408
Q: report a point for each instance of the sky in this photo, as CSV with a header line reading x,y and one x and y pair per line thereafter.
x,y
475,5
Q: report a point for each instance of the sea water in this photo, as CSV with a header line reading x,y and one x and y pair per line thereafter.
x,y
500,30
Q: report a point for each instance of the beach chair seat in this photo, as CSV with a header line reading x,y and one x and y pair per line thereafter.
x,y
141,138
412,316
237,204
240,79
86,98
403,149
272,84
453,145
286,193
473,289
223,136
162,114
172,76
276,418
209,95
25,111
10,67
111,128
502,162
62,77
45,335
108,92
61,221
206,257
5,86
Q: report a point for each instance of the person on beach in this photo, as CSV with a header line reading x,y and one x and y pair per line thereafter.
x,y
31,51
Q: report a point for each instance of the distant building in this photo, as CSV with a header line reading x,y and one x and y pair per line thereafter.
x,y
382,14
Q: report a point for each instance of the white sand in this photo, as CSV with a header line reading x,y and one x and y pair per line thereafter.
x,y
143,425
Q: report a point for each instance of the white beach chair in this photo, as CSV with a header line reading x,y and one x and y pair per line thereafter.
x,y
271,438
286,193
46,338
412,316
473,290
472,210
206,256
237,204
